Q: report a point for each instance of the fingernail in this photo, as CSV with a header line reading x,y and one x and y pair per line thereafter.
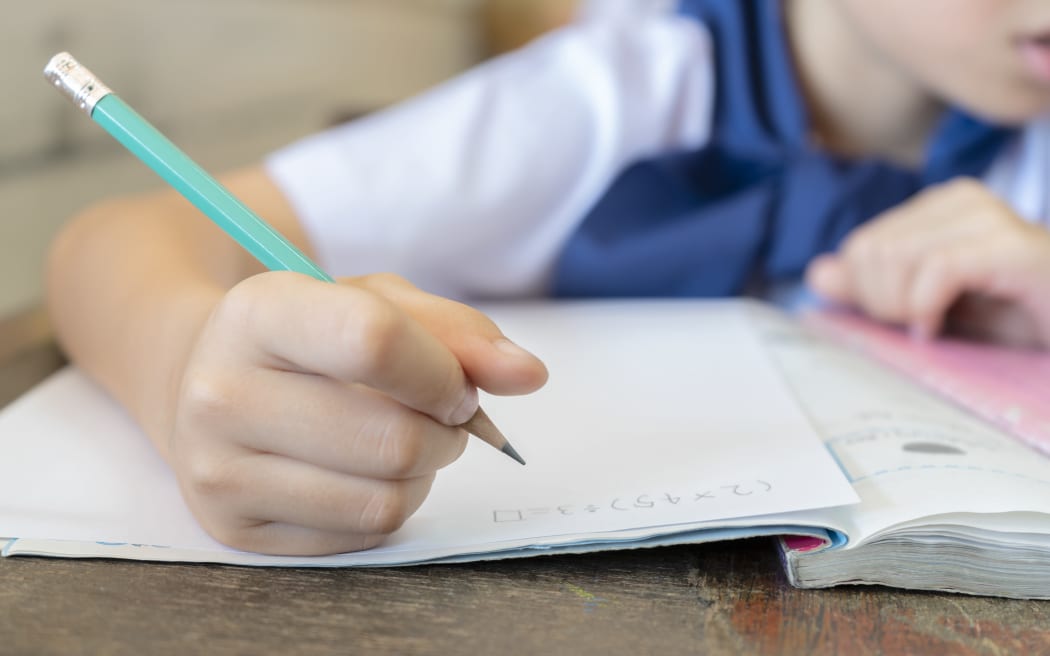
x,y
510,348
466,408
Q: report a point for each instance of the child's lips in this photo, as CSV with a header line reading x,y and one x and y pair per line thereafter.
x,y
1036,54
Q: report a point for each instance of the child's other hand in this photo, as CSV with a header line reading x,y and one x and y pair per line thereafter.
x,y
311,417
954,257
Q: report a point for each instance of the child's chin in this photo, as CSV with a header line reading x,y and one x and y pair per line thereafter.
x,y
1013,107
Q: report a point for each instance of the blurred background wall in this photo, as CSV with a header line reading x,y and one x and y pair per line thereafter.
x,y
227,80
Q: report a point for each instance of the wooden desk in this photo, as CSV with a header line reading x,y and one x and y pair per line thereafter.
x,y
727,598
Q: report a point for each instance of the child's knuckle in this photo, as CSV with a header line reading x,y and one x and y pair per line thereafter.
x,y
231,536
371,332
860,247
207,397
402,447
386,510
965,186
210,478
241,302
387,280
940,267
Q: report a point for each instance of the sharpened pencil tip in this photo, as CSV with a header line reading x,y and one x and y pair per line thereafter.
x,y
482,426
509,450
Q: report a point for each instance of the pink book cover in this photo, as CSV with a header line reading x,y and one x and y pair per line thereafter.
x,y
804,542
1008,387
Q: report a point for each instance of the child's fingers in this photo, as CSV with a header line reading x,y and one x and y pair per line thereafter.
x,y
342,427
288,321
489,358
233,496
879,274
986,318
828,276
938,207
942,278
291,492
876,266
293,540
875,286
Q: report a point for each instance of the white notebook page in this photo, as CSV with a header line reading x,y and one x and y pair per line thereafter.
x,y
657,413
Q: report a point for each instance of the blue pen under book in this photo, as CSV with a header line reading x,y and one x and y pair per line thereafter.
x,y
177,169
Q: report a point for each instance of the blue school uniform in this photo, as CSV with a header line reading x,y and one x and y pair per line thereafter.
x,y
754,205
649,154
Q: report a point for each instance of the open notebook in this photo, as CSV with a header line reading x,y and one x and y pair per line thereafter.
x,y
664,422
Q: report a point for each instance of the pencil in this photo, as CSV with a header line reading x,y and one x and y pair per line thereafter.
x,y
177,169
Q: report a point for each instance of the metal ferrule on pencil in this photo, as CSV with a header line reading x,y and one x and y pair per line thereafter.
x,y
76,82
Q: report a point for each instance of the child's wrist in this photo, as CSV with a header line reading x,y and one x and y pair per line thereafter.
x,y
176,330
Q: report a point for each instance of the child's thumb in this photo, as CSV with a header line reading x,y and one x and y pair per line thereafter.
x,y
489,358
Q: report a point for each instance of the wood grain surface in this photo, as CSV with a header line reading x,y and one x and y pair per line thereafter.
x,y
724,598
714,599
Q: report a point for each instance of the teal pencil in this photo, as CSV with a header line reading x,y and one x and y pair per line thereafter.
x,y
177,169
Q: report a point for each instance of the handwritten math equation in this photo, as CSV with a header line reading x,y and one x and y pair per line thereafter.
x,y
640,503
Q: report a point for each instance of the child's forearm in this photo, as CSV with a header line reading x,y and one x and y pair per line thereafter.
x,y
127,294
131,282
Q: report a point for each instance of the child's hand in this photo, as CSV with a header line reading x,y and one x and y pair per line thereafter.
x,y
311,417
954,247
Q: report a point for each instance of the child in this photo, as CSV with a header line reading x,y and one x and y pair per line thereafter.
x,y
717,150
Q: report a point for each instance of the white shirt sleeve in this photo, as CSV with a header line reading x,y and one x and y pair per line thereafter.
x,y
602,9
471,189
1020,174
